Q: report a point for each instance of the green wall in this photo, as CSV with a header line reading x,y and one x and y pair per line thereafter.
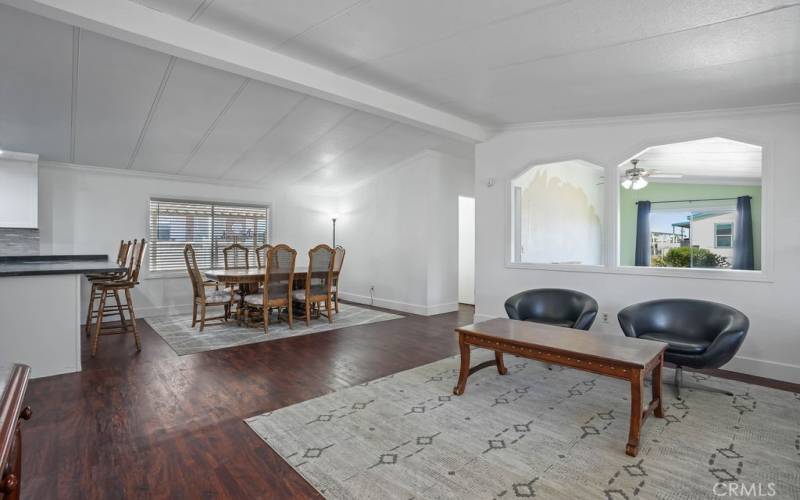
x,y
677,191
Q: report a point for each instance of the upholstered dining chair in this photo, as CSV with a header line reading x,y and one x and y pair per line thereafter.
x,y
553,306
201,296
699,334
319,280
261,255
115,287
338,260
278,280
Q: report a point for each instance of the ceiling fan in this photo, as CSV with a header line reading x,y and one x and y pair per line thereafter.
x,y
636,177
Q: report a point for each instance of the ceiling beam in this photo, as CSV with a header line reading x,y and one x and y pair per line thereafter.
x,y
140,25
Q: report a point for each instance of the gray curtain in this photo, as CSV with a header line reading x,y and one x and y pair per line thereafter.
x,y
643,233
743,255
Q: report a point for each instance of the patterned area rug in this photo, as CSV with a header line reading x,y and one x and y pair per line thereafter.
x,y
177,331
535,433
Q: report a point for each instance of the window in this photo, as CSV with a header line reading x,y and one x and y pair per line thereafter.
x,y
557,214
209,227
679,202
723,235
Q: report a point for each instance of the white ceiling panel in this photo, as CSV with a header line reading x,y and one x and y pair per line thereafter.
x,y
269,22
35,85
117,83
379,28
715,157
355,130
256,110
193,98
393,145
308,121
184,9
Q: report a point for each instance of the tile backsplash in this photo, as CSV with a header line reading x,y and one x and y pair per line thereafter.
x,y
19,241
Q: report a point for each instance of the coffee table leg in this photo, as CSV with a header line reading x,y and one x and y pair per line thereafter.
x,y
637,383
656,381
464,373
501,367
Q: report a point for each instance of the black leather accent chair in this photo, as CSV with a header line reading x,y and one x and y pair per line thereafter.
x,y
553,306
700,334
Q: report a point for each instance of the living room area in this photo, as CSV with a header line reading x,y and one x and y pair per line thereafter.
x,y
393,250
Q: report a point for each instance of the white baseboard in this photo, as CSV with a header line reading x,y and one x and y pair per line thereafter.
x,y
422,310
150,312
739,364
764,368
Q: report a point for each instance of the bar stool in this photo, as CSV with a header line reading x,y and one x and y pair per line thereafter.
x,y
91,313
114,287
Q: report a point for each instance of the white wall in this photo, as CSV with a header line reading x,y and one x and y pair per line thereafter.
x,y
773,342
466,250
88,210
400,230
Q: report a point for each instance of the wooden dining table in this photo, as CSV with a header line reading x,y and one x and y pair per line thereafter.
x,y
255,275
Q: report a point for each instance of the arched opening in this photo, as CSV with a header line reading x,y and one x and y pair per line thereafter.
x,y
693,204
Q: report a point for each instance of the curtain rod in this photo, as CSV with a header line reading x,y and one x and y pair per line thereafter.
x,y
691,201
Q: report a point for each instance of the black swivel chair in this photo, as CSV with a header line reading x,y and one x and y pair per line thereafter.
x,y
700,334
553,306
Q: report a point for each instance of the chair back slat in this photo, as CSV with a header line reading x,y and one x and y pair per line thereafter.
x,y
236,256
122,254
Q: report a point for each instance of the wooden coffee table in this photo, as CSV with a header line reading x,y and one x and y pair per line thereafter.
x,y
615,356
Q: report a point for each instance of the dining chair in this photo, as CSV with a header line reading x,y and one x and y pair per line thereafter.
x,y
278,280
338,259
319,279
236,256
201,297
261,255
114,287
94,295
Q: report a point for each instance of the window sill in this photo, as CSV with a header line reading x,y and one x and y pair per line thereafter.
x,y
159,275
706,274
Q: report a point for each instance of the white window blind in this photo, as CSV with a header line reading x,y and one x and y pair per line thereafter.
x,y
209,227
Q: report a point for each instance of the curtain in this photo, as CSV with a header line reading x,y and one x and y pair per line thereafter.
x,y
643,233
743,256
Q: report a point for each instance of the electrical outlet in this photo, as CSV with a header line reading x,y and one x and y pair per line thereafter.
x,y
604,317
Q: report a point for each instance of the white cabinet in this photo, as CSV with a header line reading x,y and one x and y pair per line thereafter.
x,y
19,190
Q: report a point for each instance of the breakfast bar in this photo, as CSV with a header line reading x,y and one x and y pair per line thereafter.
x,y
40,303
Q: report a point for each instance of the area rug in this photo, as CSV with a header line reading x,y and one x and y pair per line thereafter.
x,y
535,433
177,331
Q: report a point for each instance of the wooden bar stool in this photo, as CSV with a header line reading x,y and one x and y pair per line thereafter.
x,y
94,296
114,288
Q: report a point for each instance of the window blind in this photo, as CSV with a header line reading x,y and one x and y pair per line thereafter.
x,y
209,227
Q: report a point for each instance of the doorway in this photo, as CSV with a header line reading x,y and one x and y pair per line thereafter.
x,y
466,250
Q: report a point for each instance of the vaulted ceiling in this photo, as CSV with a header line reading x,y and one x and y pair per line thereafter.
x,y
75,96
511,61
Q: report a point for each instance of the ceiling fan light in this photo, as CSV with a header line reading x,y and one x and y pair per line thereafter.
x,y
639,183
626,183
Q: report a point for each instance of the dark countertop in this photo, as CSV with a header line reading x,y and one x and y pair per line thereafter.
x,y
38,265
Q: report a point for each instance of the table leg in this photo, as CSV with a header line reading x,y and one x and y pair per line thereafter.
x,y
498,359
656,383
637,384
464,373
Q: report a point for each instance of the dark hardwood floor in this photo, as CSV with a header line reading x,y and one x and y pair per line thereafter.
x,y
156,425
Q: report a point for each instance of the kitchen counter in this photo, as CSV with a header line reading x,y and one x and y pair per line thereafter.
x,y
40,303
34,265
